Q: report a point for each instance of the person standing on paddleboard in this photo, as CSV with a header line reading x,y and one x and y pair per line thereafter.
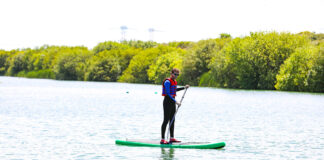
x,y
169,103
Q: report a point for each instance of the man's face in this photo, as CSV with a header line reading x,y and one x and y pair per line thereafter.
x,y
174,75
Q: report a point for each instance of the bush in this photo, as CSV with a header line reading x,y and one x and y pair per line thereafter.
x,y
303,71
138,67
160,70
18,62
109,45
4,61
71,63
46,73
253,62
197,61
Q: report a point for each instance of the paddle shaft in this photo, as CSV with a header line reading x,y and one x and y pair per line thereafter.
x,y
175,114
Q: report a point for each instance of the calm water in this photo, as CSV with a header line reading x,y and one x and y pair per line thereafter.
x,y
48,119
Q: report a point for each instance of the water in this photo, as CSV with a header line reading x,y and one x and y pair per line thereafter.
x,y
48,119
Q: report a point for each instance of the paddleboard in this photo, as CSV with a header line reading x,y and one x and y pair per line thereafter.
x,y
150,143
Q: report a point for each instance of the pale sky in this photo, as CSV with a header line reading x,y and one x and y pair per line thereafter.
x,y
33,23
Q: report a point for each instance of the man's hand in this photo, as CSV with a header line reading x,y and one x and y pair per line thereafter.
x,y
187,86
178,103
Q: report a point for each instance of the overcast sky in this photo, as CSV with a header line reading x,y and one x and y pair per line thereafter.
x,y
32,23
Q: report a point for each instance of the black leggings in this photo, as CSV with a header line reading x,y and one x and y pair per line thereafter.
x,y
169,109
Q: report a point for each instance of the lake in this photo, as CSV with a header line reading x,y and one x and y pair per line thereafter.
x,y
49,119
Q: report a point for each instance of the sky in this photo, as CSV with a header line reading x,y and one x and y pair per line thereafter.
x,y
33,23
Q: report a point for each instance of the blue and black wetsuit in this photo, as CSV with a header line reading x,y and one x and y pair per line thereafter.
x,y
169,108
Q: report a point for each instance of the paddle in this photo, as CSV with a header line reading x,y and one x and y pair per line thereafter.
x,y
175,114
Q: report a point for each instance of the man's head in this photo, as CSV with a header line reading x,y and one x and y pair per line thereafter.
x,y
175,73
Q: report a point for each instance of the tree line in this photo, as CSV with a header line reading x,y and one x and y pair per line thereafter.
x,y
262,60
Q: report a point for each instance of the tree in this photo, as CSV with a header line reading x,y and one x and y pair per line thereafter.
x,y
182,44
109,64
225,35
140,44
18,62
71,63
303,71
196,62
4,55
253,62
103,69
160,70
136,72
109,45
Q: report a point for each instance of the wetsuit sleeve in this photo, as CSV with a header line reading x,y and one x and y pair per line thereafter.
x,y
167,89
181,88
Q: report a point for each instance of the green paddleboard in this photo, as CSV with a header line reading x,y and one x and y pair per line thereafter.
x,y
150,143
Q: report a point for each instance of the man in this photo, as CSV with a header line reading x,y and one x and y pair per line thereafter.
x,y
169,103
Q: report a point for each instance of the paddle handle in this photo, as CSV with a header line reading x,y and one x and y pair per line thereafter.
x,y
175,114
182,97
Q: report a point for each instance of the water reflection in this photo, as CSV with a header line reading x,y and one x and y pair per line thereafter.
x,y
167,153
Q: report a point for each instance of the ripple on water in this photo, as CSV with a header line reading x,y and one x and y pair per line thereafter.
x,y
46,119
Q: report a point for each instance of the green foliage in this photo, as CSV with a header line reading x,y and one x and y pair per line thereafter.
x,y
303,71
160,70
103,68
207,80
124,45
312,35
45,73
182,44
108,65
18,62
36,61
253,62
196,62
225,35
139,65
140,44
4,55
263,60
109,45
71,63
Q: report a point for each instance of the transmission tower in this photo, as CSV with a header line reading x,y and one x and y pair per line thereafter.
x,y
151,31
123,33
